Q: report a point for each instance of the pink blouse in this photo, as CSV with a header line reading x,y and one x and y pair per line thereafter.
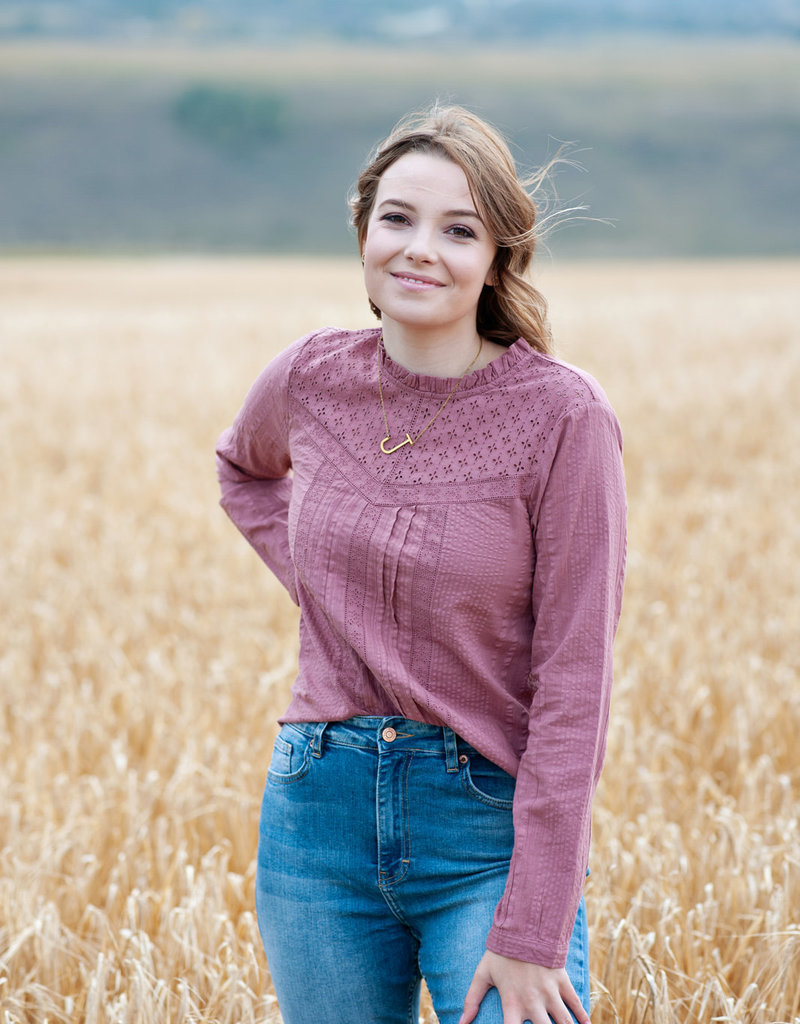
x,y
473,580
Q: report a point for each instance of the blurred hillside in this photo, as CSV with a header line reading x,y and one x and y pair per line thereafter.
x,y
690,147
268,21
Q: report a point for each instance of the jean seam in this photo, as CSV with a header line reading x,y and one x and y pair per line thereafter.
x,y
413,987
490,801
350,746
286,779
370,747
394,907
405,848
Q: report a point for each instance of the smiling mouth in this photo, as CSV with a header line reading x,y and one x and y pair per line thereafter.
x,y
417,281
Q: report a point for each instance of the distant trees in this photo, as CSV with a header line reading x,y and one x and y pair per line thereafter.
x,y
234,120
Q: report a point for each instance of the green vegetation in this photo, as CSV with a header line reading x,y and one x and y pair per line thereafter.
x,y
237,122
688,150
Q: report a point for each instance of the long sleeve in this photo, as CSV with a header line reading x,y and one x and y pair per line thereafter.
x,y
254,469
579,541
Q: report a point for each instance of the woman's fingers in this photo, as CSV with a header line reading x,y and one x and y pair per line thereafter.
x,y
480,985
528,992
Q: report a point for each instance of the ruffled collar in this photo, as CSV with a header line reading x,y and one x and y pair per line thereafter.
x,y
490,373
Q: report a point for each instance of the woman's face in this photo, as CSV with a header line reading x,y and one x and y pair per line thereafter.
x,y
427,253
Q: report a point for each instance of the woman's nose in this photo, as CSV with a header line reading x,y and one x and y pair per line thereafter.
x,y
420,247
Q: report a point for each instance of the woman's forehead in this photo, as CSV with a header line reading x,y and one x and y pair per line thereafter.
x,y
426,175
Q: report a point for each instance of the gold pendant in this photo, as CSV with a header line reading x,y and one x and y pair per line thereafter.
x,y
388,451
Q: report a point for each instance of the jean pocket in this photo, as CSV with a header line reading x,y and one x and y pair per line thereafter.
x,y
487,782
290,756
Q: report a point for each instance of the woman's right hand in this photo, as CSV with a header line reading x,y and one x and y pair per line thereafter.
x,y
528,992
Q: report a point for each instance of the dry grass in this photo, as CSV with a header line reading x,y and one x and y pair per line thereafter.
x,y
144,652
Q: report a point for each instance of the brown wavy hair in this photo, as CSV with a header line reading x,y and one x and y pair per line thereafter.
x,y
511,307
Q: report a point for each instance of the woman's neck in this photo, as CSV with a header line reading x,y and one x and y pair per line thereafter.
x,y
439,355
434,355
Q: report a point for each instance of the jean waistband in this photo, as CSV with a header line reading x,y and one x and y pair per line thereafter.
x,y
391,732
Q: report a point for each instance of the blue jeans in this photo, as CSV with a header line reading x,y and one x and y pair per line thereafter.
x,y
384,847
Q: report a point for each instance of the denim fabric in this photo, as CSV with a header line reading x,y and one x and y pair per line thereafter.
x,y
381,857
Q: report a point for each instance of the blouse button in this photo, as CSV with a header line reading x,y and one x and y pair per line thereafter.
x,y
389,734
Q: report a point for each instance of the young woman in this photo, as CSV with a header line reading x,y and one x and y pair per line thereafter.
x,y
445,502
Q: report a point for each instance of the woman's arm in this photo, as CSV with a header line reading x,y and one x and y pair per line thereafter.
x,y
254,469
579,543
579,539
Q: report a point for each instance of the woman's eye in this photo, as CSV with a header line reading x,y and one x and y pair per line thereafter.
x,y
394,218
460,231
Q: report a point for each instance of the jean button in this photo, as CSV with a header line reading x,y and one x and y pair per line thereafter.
x,y
389,734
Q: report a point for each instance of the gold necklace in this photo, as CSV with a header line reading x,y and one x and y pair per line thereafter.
x,y
408,438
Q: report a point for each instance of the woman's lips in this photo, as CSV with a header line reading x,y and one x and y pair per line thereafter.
x,y
417,282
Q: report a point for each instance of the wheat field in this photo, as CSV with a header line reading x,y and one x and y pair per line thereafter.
x,y
145,652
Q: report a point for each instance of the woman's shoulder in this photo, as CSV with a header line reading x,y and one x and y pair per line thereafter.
x,y
325,356
327,341
560,384
312,352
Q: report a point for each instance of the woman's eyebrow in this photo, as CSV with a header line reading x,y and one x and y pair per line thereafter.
x,y
412,209
463,213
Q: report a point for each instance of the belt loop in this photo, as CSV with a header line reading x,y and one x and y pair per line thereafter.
x,y
316,739
450,749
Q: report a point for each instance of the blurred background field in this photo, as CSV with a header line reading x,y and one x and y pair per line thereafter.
x,y
145,652
690,147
